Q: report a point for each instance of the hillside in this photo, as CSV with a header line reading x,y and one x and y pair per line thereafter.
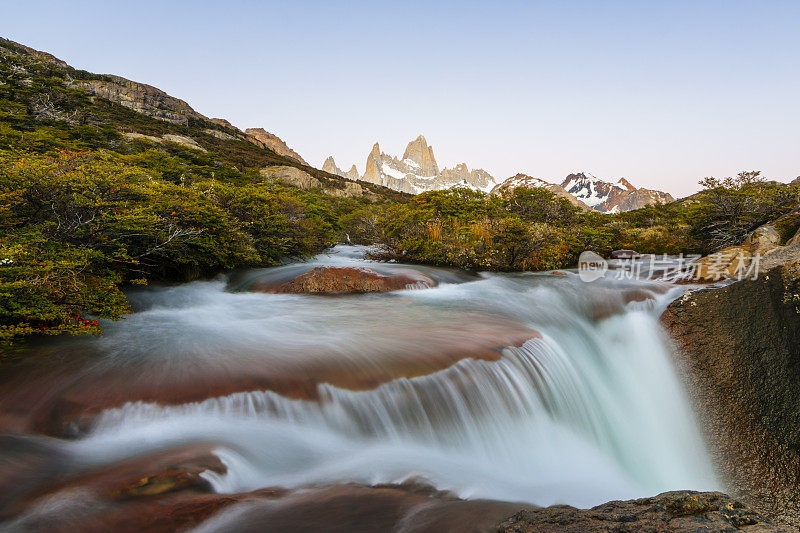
x,y
77,110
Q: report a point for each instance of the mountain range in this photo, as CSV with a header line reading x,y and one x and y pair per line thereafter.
x,y
417,172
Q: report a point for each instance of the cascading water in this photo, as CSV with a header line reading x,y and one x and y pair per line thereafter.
x,y
590,410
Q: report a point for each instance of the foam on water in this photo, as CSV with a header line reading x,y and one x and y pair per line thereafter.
x,y
590,412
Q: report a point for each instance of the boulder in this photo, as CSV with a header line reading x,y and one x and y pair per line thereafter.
x,y
183,140
795,239
351,189
292,176
684,511
739,261
337,280
762,240
731,262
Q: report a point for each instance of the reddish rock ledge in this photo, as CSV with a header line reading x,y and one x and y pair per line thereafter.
x,y
338,280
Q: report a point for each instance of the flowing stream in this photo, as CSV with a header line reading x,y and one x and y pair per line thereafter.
x,y
390,387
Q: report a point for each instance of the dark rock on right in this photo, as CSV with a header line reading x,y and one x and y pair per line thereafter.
x,y
739,348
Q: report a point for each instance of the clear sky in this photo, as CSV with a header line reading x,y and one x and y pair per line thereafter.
x,y
663,93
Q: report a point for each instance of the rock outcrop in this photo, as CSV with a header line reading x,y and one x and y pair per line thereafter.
x,y
265,139
757,252
291,175
740,348
339,280
679,511
142,98
303,180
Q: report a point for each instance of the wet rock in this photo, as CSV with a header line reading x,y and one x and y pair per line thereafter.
x,y
64,399
624,254
740,349
171,471
337,280
350,508
679,511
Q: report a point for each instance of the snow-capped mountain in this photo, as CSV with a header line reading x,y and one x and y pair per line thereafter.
x,y
588,192
416,172
610,197
523,180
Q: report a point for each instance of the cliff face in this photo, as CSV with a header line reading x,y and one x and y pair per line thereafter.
x,y
266,139
740,348
142,98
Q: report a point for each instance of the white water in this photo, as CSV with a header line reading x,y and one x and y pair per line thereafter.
x,y
592,411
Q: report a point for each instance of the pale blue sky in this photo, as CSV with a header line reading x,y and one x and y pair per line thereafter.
x,y
663,93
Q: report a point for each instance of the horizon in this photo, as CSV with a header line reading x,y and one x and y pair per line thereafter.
x,y
619,90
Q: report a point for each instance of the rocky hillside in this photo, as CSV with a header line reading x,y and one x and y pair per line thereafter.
x,y
39,92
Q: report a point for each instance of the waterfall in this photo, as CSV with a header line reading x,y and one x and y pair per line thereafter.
x,y
591,411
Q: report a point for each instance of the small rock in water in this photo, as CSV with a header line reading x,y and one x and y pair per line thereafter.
x,y
341,280
624,254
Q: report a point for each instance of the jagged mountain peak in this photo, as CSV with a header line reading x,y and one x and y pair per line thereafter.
x,y
420,154
626,184
417,171
330,167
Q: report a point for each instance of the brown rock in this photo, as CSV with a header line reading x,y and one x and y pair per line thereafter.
x,y
679,511
731,262
265,139
332,280
762,240
37,396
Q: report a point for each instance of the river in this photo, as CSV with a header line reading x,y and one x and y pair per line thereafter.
x,y
529,387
